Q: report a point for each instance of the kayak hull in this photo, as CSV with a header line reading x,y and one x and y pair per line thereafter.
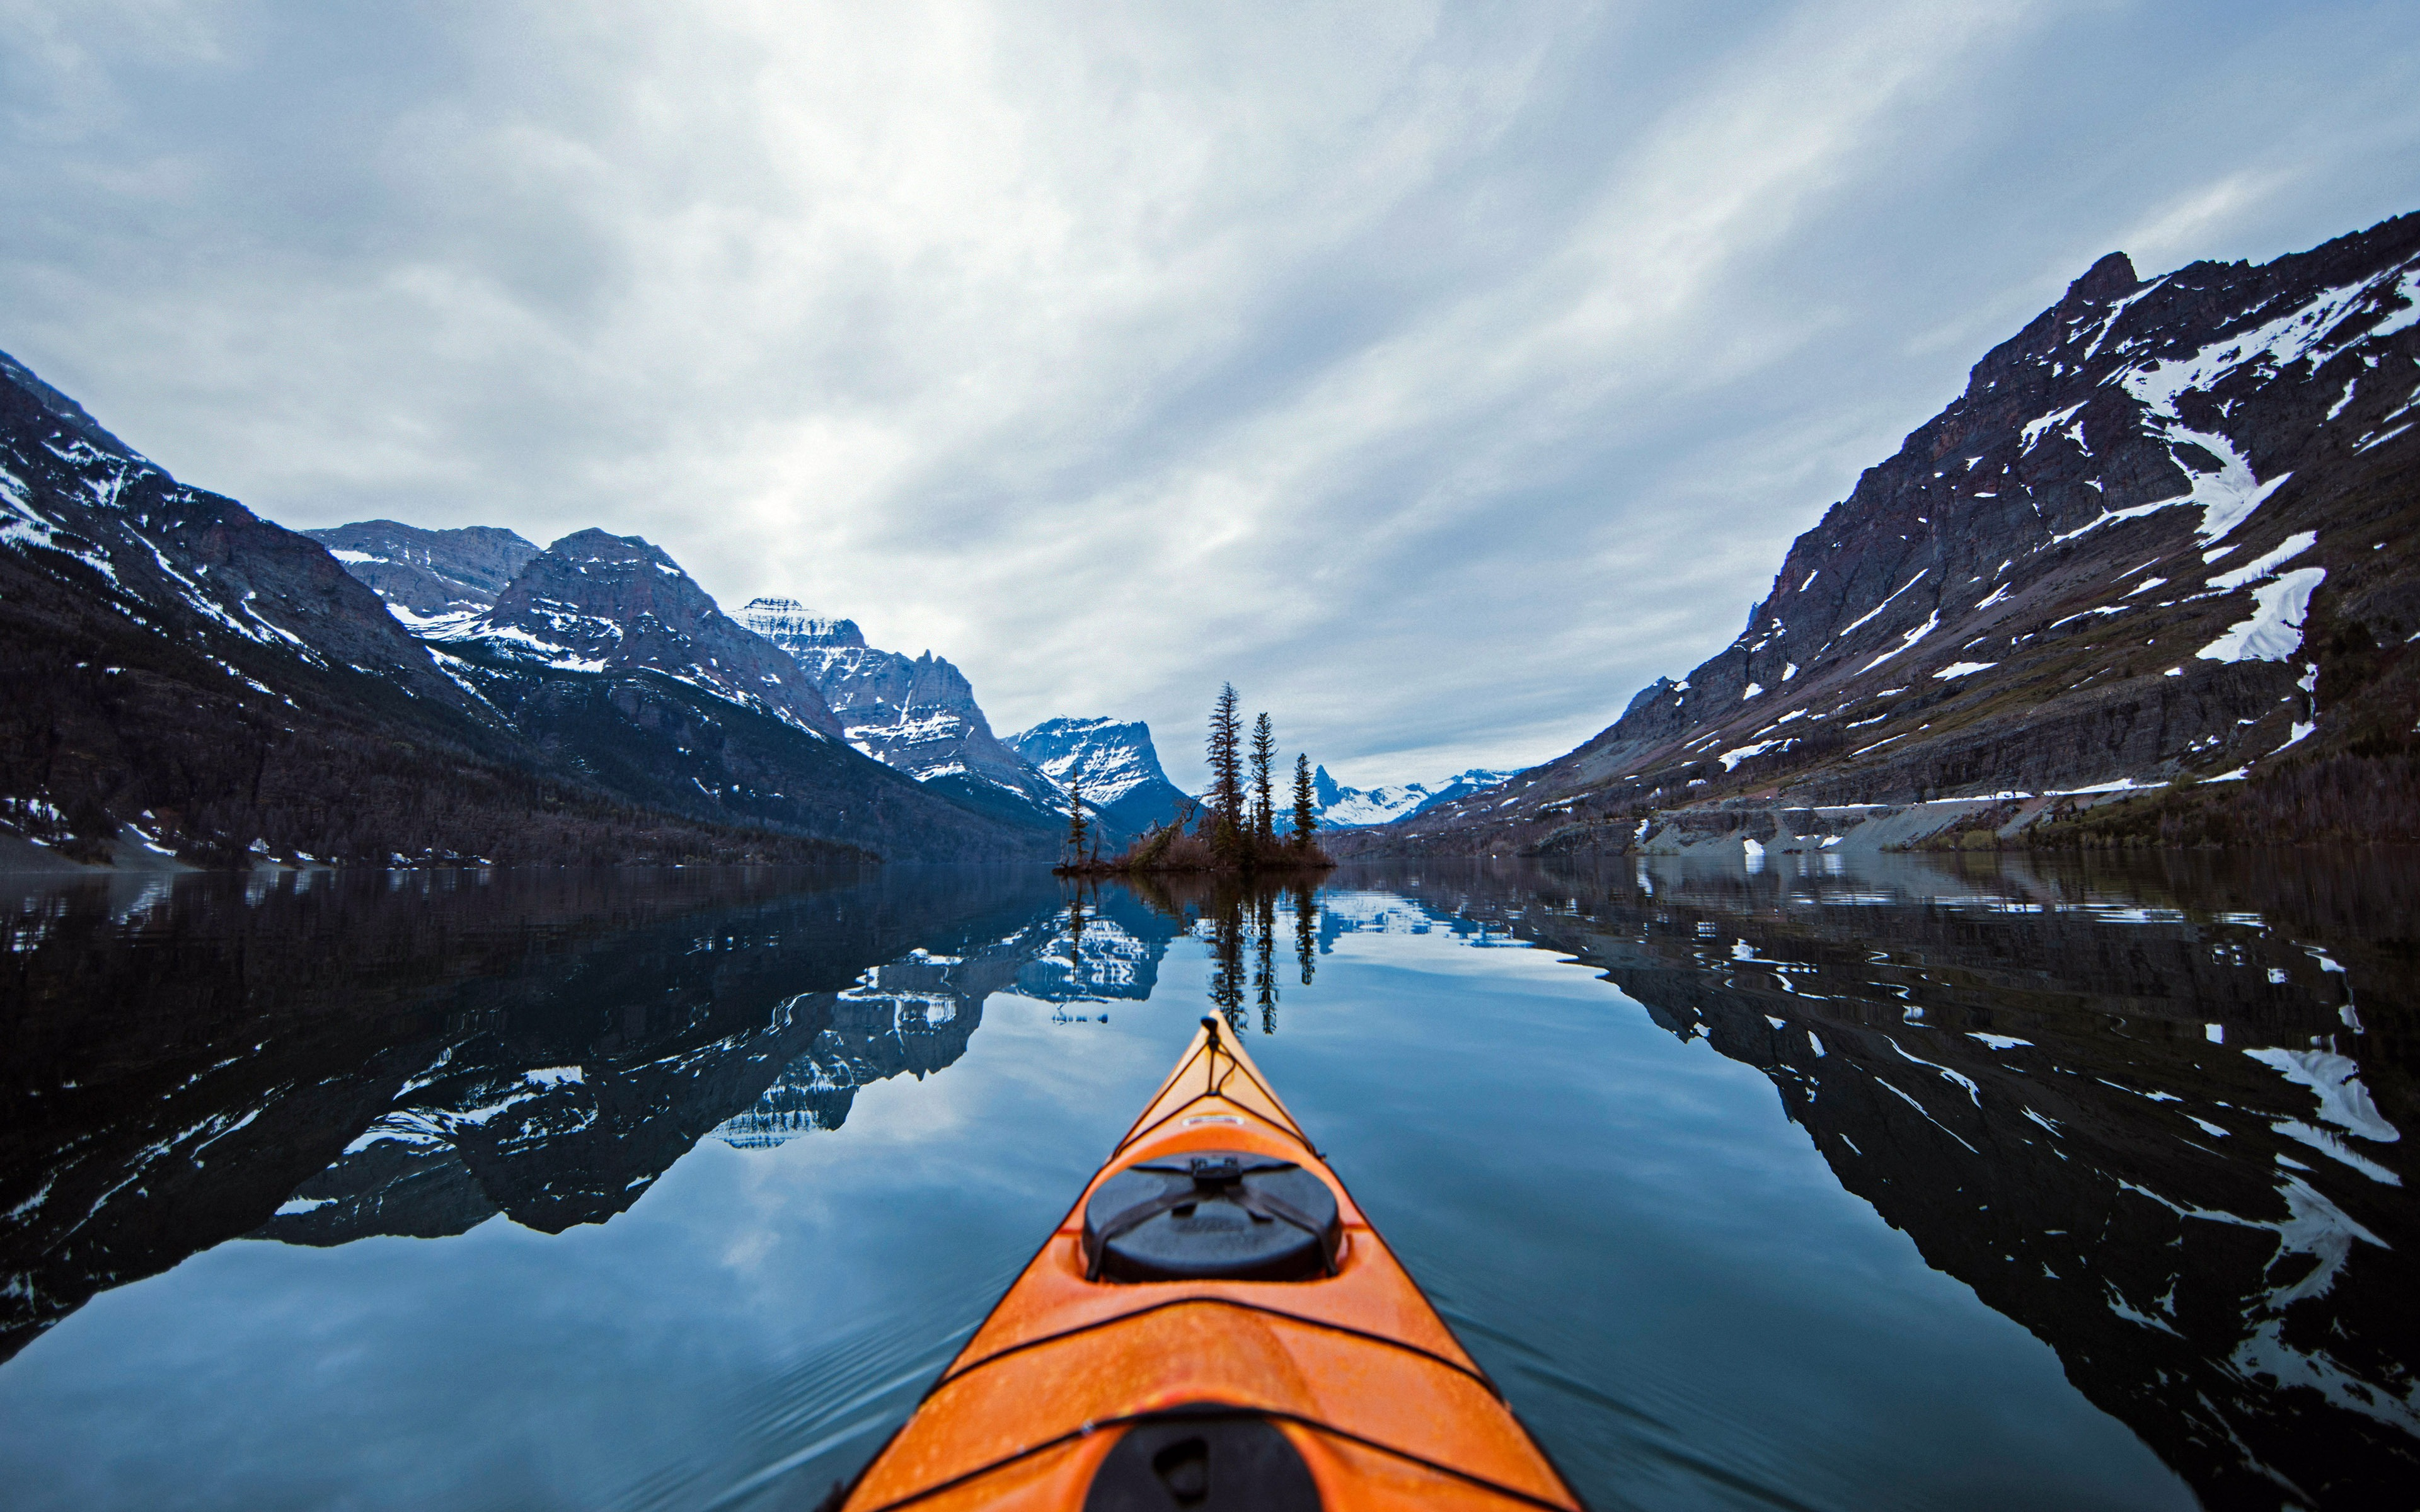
x,y
1355,1368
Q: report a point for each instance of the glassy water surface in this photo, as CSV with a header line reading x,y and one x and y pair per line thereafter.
x,y
1920,1185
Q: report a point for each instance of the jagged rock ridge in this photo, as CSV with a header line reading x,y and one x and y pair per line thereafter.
x,y
185,680
1349,807
426,574
1113,761
593,602
2166,531
917,715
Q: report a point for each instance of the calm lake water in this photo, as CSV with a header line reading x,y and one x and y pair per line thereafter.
x,y
1907,1184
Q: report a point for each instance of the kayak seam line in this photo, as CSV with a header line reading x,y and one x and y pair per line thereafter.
x,y
1222,1411
1266,1091
1134,1129
1406,1346
1295,1134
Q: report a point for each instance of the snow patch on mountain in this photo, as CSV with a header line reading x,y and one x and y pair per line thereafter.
x,y
2274,631
918,714
1346,808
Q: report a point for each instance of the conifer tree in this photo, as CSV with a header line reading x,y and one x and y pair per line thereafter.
x,y
1076,818
1306,803
1265,752
1226,770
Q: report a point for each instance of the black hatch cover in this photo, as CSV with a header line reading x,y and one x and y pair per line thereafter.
x,y
1203,1458
1213,1214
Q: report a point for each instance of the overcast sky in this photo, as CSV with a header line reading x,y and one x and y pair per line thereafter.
x,y
1440,374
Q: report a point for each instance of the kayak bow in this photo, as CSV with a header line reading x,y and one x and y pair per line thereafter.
x,y
1213,1325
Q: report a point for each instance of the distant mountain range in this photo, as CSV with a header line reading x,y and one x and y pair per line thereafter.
x,y
2167,535
1343,808
188,683
917,715
1115,763
192,685
594,602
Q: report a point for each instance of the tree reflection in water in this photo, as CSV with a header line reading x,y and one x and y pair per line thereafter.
x,y
1237,920
2153,1112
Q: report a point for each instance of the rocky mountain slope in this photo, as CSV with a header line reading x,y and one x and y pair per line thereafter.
x,y
423,574
1115,762
917,715
1350,807
613,658
2162,1143
598,603
322,1061
187,681
2167,534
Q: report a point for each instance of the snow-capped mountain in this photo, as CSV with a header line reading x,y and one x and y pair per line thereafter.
x,y
2164,534
917,715
593,603
423,574
188,683
1115,762
1344,808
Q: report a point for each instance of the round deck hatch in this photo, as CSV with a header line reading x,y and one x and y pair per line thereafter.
x,y
1212,1214
1203,1458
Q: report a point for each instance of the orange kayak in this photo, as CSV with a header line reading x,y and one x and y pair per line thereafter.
x,y
1213,1325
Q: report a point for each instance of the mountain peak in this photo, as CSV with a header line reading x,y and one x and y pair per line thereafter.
x,y
2112,277
1115,761
596,602
915,713
2090,574
598,545
787,623
422,573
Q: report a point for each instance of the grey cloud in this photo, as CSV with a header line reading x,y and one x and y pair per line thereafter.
x,y
1440,374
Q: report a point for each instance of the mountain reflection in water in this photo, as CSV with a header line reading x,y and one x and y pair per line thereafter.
x,y
2154,1118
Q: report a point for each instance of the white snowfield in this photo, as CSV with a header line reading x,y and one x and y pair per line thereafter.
x,y
1355,808
2274,631
1110,757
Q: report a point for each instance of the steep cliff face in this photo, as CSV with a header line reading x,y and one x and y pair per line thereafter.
x,y
423,574
180,677
917,715
1113,761
184,679
2168,531
598,603
1351,807
2159,1139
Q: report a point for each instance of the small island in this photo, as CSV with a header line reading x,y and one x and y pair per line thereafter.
x,y
1233,829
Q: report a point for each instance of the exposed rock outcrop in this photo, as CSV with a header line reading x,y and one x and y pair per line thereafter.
x,y
428,572
2168,531
185,680
1114,761
917,715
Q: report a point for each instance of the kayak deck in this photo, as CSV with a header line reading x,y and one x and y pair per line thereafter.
x,y
1371,1393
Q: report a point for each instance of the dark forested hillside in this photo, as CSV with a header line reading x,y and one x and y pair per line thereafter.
x,y
179,678
2169,536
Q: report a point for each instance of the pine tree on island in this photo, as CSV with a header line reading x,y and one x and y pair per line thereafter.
x,y
1236,829
1226,778
1306,803
1076,818
1264,751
